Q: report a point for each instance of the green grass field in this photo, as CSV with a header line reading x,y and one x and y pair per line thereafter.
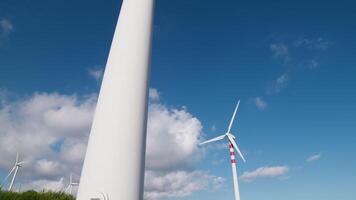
x,y
32,195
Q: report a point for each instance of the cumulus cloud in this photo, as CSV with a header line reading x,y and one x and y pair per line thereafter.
x,y
174,130
178,183
44,167
96,73
260,103
50,132
262,172
43,128
6,27
314,157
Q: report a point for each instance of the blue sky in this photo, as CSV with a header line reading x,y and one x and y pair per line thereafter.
x,y
292,64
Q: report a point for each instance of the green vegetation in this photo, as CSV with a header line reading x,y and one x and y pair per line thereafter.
x,y
32,195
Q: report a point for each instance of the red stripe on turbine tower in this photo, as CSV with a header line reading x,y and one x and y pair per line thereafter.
x,y
232,154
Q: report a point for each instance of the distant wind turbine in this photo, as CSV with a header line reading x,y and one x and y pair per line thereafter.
x,y
69,188
60,186
14,170
232,145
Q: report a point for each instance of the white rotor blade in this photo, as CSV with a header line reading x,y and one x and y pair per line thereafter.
x,y
233,116
67,188
17,158
213,140
71,178
59,185
236,147
7,176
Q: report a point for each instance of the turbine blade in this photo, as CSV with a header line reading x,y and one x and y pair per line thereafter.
x,y
236,147
233,116
17,158
2,183
67,188
214,139
59,187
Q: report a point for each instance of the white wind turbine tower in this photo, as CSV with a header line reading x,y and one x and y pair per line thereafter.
x,y
232,145
69,188
14,170
115,158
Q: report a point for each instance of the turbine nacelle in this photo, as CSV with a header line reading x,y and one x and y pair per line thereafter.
x,y
18,163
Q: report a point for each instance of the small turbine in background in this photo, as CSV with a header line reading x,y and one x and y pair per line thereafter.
x,y
13,171
69,188
232,145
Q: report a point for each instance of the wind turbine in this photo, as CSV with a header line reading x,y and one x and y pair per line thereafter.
x,y
232,144
70,185
14,170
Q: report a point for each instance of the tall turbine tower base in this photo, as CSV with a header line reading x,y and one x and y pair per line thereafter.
x,y
114,162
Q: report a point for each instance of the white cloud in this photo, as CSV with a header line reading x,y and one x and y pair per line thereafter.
x,y
281,82
96,73
44,184
153,94
313,44
33,125
44,167
314,157
278,84
297,55
178,184
275,171
260,103
280,51
174,130
6,27
282,79
50,132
